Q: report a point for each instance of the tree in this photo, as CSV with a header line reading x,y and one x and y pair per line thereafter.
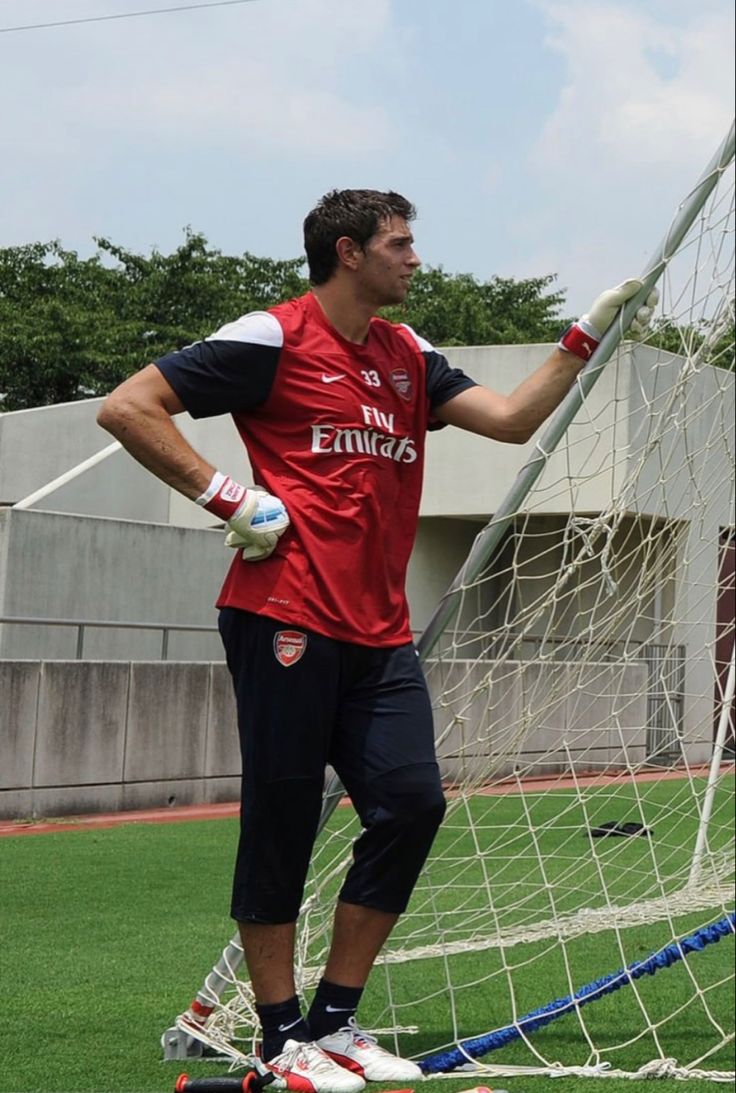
x,y
73,328
456,309
53,310
708,342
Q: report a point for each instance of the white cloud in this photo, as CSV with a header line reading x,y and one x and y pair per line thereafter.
x,y
492,176
276,83
242,112
644,101
638,90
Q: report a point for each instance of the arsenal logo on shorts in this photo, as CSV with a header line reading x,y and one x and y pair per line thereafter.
x,y
402,382
288,645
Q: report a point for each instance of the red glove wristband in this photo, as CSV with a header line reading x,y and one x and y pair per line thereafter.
x,y
223,497
577,341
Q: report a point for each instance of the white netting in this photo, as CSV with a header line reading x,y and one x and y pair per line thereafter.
x,y
578,688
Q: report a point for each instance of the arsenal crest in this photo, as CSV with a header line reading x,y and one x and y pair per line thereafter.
x,y
402,383
288,646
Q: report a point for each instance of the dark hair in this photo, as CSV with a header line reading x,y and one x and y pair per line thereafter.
x,y
357,214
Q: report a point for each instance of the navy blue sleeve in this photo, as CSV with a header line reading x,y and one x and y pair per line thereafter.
x,y
231,371
444,382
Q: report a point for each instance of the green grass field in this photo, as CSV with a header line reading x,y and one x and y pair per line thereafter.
x,y
516,855
106,934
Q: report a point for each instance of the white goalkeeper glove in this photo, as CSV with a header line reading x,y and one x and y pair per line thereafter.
x,y
255,518
582,338
257,529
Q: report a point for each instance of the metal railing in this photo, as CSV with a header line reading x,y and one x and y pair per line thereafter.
x,y
664,689
665,701
82,625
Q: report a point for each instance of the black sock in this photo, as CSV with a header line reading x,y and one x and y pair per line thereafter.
x,y
332,1008
281,1022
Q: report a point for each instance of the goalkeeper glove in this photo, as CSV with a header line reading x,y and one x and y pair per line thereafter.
x,y
255,518
582,337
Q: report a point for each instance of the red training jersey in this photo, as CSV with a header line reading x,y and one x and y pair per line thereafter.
x,y
336,430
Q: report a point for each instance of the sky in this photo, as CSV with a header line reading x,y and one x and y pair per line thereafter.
x,y
535,137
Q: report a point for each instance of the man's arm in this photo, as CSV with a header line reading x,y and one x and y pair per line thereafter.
x,y
139,414
515,418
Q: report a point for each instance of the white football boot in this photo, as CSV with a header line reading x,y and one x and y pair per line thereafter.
x,y
306,1068
357,1051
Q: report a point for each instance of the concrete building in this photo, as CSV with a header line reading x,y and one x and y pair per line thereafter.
x,y
137,711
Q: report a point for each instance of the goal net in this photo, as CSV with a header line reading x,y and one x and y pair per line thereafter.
x,y
576,913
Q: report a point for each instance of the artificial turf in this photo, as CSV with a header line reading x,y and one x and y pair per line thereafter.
x,y
105,935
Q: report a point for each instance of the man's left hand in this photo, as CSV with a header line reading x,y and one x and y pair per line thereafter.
x,y
582,338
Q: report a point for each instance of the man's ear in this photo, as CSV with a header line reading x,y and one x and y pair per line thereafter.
x,y
348,251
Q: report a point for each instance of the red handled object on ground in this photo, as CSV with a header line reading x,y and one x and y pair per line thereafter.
x,y
483,1089
251,1083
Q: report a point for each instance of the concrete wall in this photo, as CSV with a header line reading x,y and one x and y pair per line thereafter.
x,y
593,715
53,565
36,446
105,736
89,736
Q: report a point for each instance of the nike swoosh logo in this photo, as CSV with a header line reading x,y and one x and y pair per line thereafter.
x,y
338,1009
332,379
285,1028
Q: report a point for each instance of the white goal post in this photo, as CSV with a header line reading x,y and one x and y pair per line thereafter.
x,y
584,725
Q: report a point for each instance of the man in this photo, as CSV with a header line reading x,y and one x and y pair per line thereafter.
x,y
333,405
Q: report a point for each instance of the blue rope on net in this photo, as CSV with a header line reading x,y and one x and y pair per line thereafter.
x,y
591,992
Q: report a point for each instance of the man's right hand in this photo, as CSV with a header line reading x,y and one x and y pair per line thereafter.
x,y
255,518
257,525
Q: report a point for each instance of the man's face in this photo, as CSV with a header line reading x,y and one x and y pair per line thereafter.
x,y
388,263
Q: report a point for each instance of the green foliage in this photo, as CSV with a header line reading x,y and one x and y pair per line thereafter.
x,y
457,309
55,325
113,930
702,342
73,328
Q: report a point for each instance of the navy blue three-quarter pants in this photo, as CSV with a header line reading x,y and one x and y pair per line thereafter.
x,y
305,700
